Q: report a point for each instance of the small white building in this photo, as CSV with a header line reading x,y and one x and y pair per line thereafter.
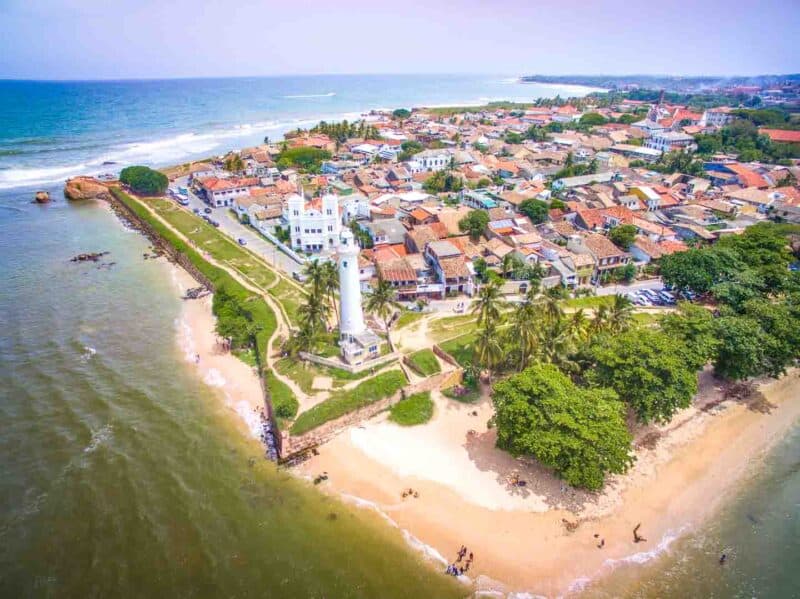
x,y
313,226
667,141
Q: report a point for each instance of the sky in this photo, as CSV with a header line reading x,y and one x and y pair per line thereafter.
x,y
116,39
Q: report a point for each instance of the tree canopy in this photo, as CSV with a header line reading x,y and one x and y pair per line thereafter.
x,y
305,158
144,180
578,432
474,223
648,370
623,236
534,209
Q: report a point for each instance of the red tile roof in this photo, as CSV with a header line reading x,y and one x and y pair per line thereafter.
x,y
790,137
747,177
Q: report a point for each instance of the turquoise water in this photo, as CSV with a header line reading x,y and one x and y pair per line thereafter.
x,y
54,130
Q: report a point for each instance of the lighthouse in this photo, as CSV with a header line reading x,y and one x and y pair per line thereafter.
x,y
351,323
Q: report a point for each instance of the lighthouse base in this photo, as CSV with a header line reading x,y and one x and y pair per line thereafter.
x,y
361,347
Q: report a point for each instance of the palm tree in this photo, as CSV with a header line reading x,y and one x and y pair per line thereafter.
x,y
488,304
329,285
620,314
508,264
579,325
600,320
381,303
488,349
524,331
550,303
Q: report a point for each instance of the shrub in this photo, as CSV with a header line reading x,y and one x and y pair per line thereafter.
x,y
144,180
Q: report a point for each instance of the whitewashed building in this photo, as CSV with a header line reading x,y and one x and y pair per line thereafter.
x,y
433,160
313,226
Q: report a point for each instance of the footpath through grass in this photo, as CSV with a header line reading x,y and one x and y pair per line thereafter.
x,y
414,410
343,402
283,401
424,362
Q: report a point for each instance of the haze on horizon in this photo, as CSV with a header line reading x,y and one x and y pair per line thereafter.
x,y
98,39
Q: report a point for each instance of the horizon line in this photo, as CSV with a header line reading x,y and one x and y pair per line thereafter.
x,y
385,74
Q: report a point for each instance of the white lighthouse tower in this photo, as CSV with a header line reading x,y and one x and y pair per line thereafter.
x,y
357,342
351,322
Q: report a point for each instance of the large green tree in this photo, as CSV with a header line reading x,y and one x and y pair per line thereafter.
x,y
623,236
474,223
144,180
578,432
648,370
694,325
534,209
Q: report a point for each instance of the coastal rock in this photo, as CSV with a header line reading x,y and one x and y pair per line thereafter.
x,y
85,188
88,257
41,197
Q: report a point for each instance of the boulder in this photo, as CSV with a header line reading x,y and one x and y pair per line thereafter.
x,y
85,188
41,197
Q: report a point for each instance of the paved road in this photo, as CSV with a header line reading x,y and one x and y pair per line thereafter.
x,y
230,226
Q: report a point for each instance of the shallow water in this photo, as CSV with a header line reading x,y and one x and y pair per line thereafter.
x,y
758,530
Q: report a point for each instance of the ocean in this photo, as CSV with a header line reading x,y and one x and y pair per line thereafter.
x,y
124,475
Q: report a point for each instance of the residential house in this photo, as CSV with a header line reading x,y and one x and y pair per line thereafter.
x,y
313,226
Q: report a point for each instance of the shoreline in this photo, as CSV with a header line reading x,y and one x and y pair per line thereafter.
x,y
195,336
521,545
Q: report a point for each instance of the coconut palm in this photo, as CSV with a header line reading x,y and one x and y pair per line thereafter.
x,y
381,303
524,333
620,314
550,304
488,349
579,324
600,320
488,304
329,285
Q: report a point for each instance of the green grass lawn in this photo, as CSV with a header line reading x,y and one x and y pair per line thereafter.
x,y
342,402
407,317
289,296
424,362
461,348
444,328
591,301
417,409
303,373
216,243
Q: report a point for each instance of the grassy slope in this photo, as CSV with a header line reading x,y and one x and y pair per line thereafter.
x,y
342,402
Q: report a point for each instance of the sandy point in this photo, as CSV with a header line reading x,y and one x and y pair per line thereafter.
x,y
544,537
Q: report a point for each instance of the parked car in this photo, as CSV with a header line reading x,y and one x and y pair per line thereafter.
x,y
298,276
214,223
207,210
196,210
242,241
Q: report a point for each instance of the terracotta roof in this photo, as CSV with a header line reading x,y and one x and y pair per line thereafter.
x,y
454,267
782,136
747,177
397,270
601,246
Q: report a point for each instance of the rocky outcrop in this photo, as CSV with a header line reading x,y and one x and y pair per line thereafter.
x,y
86,188
41,197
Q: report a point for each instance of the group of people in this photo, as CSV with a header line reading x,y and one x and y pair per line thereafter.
x,y
463,555
410,493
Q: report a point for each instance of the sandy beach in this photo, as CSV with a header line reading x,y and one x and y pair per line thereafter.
x,y
217,368
518,534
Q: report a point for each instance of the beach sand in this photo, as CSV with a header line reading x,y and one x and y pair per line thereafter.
x,y
200,346
517,534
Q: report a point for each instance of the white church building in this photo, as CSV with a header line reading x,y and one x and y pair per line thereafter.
x,y
357,342
313,226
